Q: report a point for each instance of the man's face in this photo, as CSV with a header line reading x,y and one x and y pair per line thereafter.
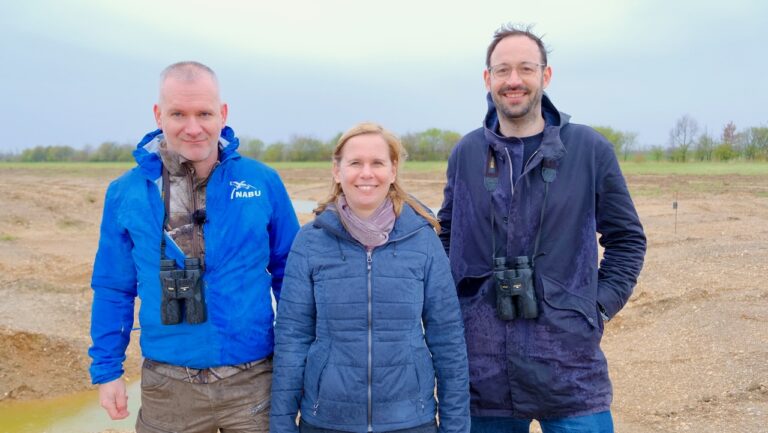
x,y
519,95
191,116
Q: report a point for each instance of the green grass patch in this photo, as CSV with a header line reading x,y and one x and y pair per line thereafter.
x,y
628,167
439,166
292,165
696,168
89,169
5,237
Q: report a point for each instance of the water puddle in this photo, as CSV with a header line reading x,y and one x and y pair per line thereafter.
x,y
303,206
75,413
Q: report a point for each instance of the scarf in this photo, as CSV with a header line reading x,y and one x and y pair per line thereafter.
x,y
372,231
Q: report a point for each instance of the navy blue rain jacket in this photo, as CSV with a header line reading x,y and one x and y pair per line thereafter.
x,y
359,343
551,366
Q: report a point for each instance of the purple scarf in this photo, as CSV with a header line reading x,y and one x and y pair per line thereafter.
x,y
372,231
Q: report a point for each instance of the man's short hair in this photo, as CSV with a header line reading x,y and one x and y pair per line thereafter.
x,y
508,30
187,70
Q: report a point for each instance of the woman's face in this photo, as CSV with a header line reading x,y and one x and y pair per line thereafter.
x,y
365,173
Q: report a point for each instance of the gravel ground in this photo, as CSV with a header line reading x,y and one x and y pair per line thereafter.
x,y
687,354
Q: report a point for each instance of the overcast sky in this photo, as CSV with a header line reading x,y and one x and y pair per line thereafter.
x,y
85,71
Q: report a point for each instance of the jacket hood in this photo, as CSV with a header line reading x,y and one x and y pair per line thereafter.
x,y
552,146
407,223
148,158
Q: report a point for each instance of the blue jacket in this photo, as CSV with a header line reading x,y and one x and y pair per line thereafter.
x,y
248,234
551,366
350,351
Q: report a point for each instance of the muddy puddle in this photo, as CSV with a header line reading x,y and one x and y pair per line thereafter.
x,y
75,413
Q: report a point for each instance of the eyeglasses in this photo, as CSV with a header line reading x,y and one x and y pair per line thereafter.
x,y
524,69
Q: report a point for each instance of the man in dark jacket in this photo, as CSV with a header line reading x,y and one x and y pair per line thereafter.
x,y
532,187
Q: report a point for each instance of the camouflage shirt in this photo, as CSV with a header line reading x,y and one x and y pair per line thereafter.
x,y
187,195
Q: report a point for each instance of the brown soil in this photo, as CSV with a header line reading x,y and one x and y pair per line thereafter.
x,y
688,352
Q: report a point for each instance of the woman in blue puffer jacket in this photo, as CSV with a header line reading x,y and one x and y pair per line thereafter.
x,y
368,317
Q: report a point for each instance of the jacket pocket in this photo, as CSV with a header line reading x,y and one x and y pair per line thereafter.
x,y
469,287
152,381
425,371
558,297
317,361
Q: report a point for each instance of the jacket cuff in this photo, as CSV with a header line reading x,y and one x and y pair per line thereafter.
x,y
98,378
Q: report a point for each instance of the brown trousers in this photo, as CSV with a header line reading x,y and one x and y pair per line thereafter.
x,y
236,404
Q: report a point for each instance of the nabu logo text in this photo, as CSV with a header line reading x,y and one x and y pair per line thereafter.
x,y
243,190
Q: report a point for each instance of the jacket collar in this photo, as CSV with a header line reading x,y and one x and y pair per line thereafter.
x,y
551,148
147,153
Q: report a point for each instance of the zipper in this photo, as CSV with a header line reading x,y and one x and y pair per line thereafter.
x,y
524,171
195,237
315,406
528,329
369,259
261,406
511,169
529,159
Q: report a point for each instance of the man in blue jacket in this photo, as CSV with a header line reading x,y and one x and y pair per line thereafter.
x,y
221,227
535,189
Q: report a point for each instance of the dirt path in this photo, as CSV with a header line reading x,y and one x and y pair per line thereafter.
x,y
688,353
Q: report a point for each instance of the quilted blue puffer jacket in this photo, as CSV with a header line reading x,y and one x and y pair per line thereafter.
x,y
361,336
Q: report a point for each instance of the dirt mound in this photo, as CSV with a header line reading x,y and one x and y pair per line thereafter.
x,y
37,365
47,245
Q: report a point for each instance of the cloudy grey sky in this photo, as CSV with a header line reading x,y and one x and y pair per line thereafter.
x,y
81,72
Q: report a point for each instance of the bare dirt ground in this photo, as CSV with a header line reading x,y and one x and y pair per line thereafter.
x,y
688,353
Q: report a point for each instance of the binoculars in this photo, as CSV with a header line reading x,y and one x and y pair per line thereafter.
x,y
182,292
515,294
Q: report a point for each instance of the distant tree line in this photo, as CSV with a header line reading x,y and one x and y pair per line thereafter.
x,y
430,145
686,143
107,151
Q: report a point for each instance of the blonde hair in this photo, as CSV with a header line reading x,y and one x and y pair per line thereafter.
x,y
396,154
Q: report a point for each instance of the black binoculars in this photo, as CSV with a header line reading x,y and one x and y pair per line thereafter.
x,y
515,294
182,292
